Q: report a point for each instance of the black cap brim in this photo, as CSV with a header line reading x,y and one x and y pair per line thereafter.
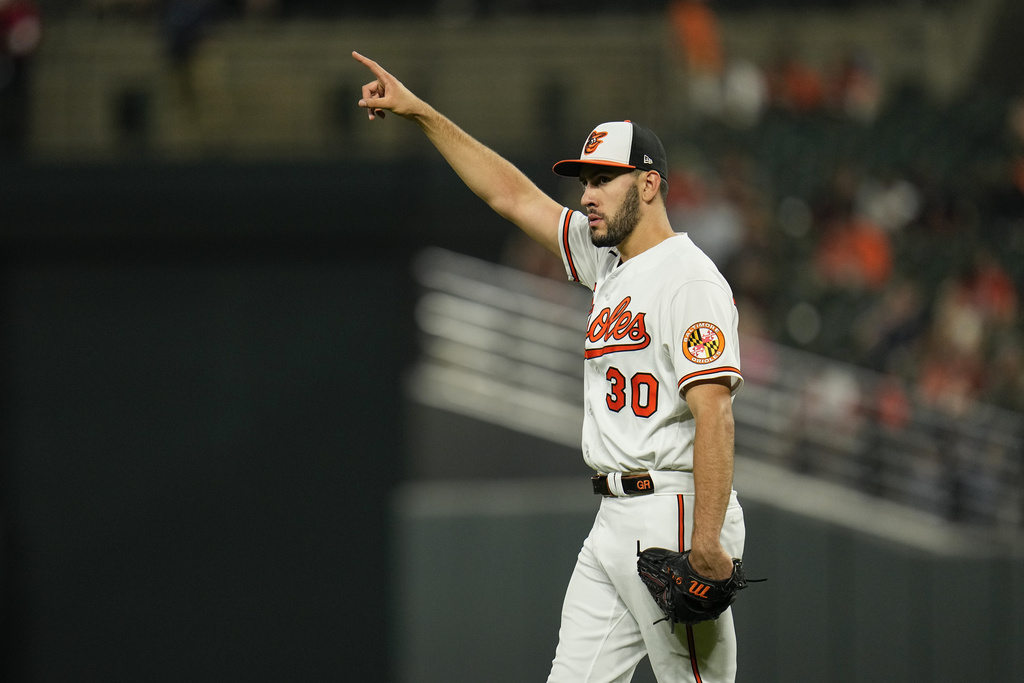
x,y
570,168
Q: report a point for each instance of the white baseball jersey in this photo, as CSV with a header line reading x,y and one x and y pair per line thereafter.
x,y
660,320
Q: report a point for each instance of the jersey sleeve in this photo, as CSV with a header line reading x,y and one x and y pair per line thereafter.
x,y
704,334
579,256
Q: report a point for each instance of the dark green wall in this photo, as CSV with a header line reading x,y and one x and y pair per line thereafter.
x,y
201,409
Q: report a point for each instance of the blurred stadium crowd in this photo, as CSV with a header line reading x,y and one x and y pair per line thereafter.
x,y
884,230
889,256
881,228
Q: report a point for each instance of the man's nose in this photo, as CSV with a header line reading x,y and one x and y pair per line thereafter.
x,y
588,196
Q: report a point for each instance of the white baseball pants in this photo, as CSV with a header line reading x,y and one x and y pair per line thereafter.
x,y
608,615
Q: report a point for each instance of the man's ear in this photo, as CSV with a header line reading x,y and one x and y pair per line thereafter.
x,y
651,185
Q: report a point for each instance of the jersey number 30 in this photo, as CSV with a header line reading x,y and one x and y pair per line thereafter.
x,y
642,389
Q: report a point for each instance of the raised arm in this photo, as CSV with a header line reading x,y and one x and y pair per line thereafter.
x,y
505,189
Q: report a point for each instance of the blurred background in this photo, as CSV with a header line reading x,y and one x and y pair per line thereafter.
x,y
282,400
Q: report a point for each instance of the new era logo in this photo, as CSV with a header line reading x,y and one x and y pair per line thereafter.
x,y
648,160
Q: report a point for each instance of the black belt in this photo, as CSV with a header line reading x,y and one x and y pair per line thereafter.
x,y
637,484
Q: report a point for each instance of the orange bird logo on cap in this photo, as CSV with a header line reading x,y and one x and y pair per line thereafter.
x,y
593,141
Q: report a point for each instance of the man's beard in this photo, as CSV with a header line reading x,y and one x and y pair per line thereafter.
x,y
621,225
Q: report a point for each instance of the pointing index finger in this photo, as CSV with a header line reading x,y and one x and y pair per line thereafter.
x,y
369,63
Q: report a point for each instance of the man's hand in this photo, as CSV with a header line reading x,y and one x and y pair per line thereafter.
x,y
386,93
712,562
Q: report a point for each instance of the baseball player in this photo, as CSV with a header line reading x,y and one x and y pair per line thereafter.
x,y
661,369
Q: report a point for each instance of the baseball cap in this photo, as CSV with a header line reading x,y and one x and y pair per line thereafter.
x,y
618,143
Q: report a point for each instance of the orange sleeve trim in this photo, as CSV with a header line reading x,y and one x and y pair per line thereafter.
x,y
708,372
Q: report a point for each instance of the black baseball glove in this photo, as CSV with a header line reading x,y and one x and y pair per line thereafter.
x,y
683,595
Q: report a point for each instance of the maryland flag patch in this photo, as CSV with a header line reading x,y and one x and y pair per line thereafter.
x,y
703,343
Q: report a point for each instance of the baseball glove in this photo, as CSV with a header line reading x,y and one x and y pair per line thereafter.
x,y
683,595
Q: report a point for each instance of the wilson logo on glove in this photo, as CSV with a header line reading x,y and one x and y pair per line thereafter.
x,y
699,589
